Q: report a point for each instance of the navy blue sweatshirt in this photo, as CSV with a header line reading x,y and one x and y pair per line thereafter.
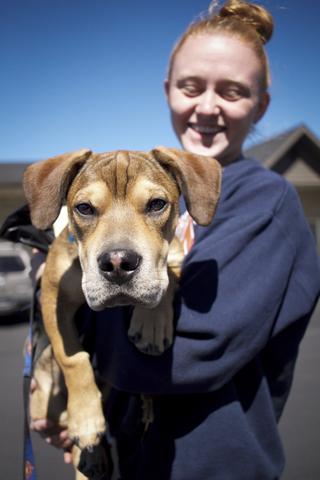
x,y
248,288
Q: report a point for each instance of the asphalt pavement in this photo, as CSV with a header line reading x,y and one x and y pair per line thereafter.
x,y
299,426
49,461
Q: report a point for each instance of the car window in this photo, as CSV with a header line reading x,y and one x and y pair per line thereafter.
x,y
11,263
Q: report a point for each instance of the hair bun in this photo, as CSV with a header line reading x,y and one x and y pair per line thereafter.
x,y
249,13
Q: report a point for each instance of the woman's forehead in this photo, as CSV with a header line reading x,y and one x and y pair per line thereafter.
x,y
216,53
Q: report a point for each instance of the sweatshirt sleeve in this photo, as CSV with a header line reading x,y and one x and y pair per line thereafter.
x,y
251,274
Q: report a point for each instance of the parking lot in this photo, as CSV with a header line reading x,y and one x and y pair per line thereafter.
x,y
300,425
15,283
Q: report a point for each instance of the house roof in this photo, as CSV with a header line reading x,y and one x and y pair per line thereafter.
x,y
280,151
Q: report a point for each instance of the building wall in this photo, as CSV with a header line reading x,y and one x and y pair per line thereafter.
x,y
11,198
310,199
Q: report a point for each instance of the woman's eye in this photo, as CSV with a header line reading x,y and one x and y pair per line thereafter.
x,y
189,87
191,90
84,209
156,205
232,95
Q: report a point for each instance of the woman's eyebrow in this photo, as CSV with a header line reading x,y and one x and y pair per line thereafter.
x,y
184,78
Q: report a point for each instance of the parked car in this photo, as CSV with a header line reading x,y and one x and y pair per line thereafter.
x,y
15,284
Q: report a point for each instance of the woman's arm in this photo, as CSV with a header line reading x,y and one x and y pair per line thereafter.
x,y
251,275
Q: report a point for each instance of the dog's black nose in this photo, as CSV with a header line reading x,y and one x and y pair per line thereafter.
x,y
118,266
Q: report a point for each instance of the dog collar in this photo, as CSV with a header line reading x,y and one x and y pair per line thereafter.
x,y
71,238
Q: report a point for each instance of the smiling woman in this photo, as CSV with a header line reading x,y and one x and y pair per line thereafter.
x,y
208,407
215,98
217,82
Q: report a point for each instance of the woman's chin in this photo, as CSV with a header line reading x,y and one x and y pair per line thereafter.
x,y
204,147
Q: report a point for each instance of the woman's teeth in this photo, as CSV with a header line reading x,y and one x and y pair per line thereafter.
x,y
206,130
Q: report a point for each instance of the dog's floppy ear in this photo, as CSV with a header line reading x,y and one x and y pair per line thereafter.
x,y
198,177
46,183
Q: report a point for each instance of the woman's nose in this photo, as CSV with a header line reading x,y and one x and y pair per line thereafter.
x,y
208,104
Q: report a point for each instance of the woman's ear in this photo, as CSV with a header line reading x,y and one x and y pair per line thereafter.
x,y
166,85
262,107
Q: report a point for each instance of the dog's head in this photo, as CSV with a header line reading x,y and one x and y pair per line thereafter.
x,y
123,210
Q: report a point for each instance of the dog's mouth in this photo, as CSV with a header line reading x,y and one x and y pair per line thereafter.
x,y
101,295
122,301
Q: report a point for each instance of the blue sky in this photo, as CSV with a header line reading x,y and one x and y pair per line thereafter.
x,y
89,73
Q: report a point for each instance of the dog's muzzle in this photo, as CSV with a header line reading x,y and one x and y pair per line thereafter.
x,y
119,266
122,276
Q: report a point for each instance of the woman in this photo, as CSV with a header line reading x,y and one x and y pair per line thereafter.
x,y
248,288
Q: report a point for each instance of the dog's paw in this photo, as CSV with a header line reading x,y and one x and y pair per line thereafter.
x,y
86,440
149,348
86,425
96,462
150,331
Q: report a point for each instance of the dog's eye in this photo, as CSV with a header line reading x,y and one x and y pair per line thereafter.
x,y
156,205
84,209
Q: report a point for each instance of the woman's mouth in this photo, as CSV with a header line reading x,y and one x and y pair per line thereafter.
x,y
206,129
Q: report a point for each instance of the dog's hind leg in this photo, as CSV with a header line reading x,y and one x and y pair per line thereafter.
x,y
49,398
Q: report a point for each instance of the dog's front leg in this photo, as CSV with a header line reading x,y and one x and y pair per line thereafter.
x,y
61,297
86,422
85,419
151,330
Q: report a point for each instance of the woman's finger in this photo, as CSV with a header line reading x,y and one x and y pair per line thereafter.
x,y
67,457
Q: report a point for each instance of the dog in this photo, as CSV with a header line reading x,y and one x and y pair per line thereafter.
x,y
119,248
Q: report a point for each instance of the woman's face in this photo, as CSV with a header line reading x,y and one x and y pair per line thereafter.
x,y
214,95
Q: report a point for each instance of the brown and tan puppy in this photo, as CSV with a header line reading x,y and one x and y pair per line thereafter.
x,y
122,210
